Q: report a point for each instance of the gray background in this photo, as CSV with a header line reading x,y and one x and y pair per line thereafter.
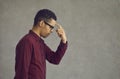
x,y
92,28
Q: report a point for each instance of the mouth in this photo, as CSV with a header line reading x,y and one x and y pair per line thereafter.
x,y
48,34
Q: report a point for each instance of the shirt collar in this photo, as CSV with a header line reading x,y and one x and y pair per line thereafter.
x,y
36,36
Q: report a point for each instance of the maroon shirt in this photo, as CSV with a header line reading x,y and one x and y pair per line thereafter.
x,y
31,55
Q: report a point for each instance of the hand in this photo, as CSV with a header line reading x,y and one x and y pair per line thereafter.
x,y
61,33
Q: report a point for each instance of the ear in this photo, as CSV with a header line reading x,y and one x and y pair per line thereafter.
x,y
41,23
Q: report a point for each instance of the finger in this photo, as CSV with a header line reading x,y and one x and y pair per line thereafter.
x,y
59,33
58,26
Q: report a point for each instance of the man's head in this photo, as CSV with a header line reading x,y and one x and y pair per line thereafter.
x,y
44,14
45,19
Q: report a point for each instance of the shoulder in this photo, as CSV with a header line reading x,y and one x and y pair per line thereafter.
x,y
27,39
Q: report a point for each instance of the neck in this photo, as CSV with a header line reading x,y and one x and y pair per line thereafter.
x,y
36,30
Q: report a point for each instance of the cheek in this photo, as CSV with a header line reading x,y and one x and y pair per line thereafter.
x,y
48,29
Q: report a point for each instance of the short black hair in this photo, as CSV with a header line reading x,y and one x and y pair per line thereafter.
x,y
44,14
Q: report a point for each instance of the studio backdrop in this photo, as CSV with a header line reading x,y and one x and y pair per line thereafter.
x,y
92,28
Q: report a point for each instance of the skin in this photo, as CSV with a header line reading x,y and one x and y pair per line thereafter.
x,y
43,30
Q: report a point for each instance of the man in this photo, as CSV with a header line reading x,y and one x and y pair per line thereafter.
x,y
32,52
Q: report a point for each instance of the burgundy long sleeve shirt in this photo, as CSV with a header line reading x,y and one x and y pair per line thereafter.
x,y
31,56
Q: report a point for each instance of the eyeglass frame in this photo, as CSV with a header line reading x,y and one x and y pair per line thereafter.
x,y
52,27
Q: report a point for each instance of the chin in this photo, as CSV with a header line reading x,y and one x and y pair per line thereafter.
x,y
45,36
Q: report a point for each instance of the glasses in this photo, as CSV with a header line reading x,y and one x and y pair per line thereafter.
x,y
52,27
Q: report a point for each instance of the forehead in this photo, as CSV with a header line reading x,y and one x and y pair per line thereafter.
x,y
52,22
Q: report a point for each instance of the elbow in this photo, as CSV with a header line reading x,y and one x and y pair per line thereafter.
x,y
55,62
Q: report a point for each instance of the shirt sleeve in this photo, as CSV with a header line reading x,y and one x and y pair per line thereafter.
x,y
23,57
55,57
